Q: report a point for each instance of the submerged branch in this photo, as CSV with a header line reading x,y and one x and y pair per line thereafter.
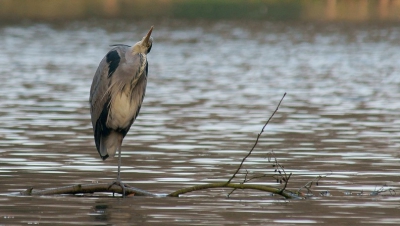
x,y
88,188
277,191
104,187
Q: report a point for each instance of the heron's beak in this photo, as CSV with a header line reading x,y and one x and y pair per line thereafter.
x,y
146,39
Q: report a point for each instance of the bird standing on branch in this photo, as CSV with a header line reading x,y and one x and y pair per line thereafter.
x,y
116,95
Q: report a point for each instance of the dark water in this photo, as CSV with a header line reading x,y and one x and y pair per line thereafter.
x,y
212,85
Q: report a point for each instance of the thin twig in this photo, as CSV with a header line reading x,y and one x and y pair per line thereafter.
x,y
280,169
256,142
383,189
244,181
286,181
309,184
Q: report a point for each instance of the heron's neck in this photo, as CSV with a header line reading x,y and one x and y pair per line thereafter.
x,y
138,48
143,62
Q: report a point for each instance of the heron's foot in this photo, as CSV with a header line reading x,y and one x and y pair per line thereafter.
x,y
119,183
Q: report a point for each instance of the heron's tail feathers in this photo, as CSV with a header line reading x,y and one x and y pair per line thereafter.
x,y
110,144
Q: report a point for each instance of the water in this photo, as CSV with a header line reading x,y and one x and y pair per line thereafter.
x,y
212,86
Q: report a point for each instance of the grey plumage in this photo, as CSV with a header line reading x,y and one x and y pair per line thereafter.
x,y
117,93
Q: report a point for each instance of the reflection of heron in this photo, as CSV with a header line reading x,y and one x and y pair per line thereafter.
x,y
116,95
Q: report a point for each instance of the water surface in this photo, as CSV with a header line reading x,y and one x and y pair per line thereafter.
x,y
211,87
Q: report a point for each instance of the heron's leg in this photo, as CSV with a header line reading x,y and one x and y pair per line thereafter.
x,y
119,172
118,181
119,164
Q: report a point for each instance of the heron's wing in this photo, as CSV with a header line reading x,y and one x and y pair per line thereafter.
x,y
101,81
99,95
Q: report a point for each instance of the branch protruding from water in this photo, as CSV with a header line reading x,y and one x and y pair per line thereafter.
x,y
256,142
273,190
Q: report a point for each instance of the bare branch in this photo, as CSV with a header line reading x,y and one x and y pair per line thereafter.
x,y
282,176
244,181
286,179
88,188
309,184
277,191
256,142
383,189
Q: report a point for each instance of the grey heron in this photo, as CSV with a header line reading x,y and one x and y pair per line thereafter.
x,y
116,95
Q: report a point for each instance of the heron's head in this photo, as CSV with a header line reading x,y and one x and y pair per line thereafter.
x,y
144,45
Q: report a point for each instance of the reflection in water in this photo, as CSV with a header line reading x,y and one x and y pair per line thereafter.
x,y
211,88
100,213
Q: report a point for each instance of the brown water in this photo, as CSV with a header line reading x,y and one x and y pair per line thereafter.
x,y
212,85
